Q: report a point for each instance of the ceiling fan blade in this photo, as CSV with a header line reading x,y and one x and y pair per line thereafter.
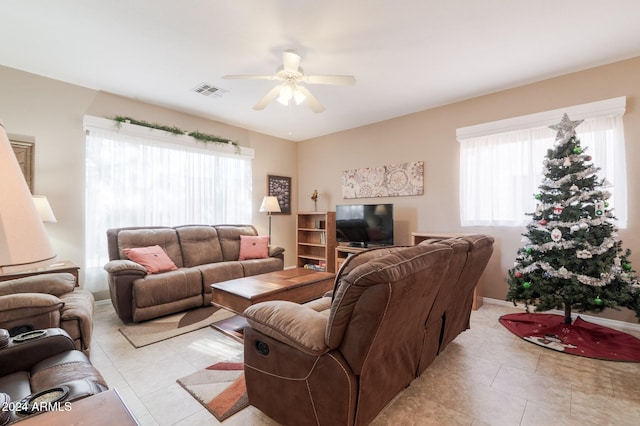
x,y
290,60
253,77
311,100
273,93
339,80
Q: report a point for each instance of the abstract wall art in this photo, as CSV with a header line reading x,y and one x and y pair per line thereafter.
x,y
393,180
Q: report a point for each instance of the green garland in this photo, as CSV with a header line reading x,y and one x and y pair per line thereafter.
x,y
208,138
202,137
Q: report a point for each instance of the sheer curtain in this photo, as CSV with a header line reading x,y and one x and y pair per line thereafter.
x,y
500,173
138,177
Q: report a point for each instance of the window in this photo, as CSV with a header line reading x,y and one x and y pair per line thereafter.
x,y
139,177
501,162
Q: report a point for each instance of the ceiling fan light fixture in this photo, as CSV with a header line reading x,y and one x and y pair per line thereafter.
x,y
290,73
299,97
286,93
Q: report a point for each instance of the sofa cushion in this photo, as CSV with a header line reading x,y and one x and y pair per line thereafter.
x,y
291,323
167,287
213,273
167,238
252,267
254,247
153,258
200,245
229,236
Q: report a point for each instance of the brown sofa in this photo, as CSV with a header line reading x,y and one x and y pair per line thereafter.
x,y
47,301
203,254
34,362
341,359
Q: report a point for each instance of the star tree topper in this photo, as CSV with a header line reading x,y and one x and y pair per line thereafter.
x,y
566,128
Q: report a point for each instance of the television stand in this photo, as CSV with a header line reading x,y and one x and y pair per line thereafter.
x,y
360,245
343,252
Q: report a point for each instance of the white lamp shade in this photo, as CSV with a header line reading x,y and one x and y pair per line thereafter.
x,y
270,205
44,208
23,239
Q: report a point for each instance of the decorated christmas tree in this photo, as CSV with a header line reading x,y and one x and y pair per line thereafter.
x,y
572,257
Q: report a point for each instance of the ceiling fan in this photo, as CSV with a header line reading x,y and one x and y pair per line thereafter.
x,y
291,75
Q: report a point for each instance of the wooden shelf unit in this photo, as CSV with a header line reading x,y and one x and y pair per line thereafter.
x,y
316,239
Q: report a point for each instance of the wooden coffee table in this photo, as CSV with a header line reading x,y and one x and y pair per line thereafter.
x,y
298,285
295,285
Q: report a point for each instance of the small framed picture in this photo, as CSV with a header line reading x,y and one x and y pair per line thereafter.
x,y
24,155
280,187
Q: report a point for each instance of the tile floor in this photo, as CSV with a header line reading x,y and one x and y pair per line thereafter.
x,y
487,376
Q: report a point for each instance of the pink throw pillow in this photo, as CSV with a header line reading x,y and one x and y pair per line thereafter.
x,y
254,247
153,258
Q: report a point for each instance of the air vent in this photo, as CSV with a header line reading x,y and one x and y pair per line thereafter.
x,y
206,89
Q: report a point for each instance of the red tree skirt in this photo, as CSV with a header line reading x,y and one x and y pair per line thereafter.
x,y
580,338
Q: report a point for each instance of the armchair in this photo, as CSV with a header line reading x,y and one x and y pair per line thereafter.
x,y
305,366
453,305
42,362
47,301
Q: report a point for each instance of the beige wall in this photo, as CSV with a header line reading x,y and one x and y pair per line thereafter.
x,y
52,112
430,136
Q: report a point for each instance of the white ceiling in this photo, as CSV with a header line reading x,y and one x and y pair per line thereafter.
x,y
407,55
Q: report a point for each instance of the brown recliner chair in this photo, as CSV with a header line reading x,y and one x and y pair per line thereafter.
x,y
48,301
303,366
42,366
455,300
458,312
451,311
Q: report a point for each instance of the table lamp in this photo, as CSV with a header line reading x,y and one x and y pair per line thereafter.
x,y
44,209
23,239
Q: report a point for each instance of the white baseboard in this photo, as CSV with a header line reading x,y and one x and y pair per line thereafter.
x,y
615,324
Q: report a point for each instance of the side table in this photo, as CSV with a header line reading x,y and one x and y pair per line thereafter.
x,y
47,267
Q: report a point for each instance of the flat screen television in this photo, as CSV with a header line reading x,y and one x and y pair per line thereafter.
x,y
364,225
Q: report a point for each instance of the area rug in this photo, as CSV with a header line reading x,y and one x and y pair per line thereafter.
x,y
580,338
220,388
153,331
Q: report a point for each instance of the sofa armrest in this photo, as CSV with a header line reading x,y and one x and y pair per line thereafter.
x,y
275,251
290,323
21,356
27,305
56,284
125,267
